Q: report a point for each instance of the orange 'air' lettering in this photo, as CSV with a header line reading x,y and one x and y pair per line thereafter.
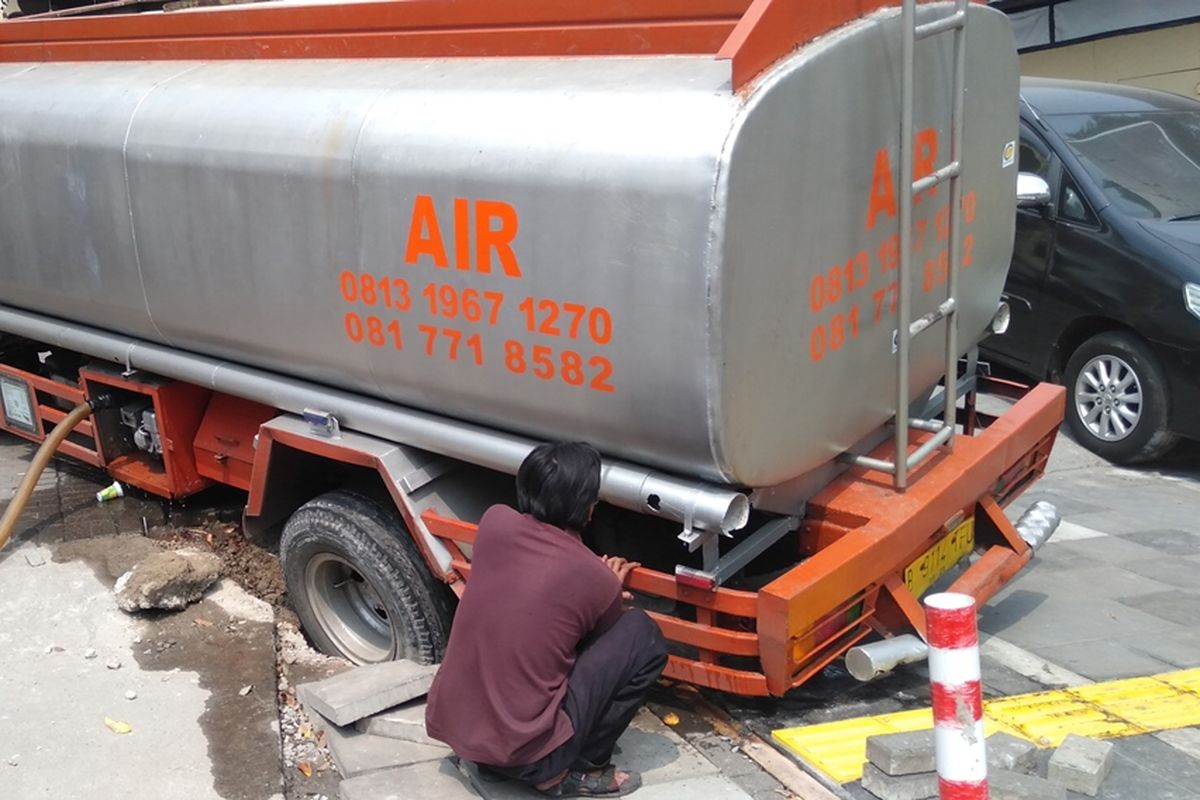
x,y
424,234
499,239
883,196
925,145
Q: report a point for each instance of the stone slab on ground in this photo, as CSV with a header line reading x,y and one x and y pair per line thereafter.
x,y
348,697
355,753
1005,785
406,722
915,786
902,753
430,779
1081,764
1012,753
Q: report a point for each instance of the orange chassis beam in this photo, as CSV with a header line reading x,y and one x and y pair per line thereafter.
x,y
861,534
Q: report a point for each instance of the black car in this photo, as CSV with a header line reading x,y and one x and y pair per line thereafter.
x,y
1104,287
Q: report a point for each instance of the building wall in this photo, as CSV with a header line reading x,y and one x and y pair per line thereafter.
x,y
1166,58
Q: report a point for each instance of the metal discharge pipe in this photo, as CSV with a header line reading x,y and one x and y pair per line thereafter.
x,y
1038,523
870,661
690,503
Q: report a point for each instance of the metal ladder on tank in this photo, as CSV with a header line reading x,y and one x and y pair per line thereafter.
x,y
907,328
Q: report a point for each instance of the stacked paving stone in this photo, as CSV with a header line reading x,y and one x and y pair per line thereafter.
x,y
900,766
374,722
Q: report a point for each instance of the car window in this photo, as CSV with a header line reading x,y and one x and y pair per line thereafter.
x,y
1033,158
1071,205
1146,162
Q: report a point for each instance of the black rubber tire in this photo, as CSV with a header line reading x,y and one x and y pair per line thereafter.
x,y
354,533
1150,438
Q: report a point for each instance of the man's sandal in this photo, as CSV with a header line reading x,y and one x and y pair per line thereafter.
x,y
585,784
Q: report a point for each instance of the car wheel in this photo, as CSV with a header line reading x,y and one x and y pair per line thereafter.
x,y
359,585
1118,399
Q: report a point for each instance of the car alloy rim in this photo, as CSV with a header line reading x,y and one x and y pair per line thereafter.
x,y
349,609
1108,398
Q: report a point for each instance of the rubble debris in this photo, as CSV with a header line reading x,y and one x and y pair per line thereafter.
x,y
168,580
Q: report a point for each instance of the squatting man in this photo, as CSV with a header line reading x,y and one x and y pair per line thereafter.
x,y
546,667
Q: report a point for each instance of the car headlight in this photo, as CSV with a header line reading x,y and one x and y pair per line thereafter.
x,y
1191,297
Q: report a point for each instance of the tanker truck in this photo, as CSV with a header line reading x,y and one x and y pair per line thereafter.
x,y
357,259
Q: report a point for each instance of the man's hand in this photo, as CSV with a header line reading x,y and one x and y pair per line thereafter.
x,y
621,568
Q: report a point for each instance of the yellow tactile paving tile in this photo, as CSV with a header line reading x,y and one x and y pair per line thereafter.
x,y
1188,680
840,747
1148,703
1102,710
1046,718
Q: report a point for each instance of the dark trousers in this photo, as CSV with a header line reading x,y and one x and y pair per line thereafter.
x,y
610,678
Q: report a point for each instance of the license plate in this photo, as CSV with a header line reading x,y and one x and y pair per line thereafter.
x,y
937,560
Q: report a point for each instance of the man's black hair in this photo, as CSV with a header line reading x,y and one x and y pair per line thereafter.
x,y
558,483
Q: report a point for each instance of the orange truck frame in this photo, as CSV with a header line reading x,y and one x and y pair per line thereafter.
x,y
869,548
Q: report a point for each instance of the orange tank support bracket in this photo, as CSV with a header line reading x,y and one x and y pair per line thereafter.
x,y
751,34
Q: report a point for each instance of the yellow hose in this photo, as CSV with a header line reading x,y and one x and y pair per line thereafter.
x,y
40,460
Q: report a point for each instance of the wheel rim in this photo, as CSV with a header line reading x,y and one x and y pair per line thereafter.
x,y
1108,398
349,609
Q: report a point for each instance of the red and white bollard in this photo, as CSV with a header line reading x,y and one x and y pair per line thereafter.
x,y
960,752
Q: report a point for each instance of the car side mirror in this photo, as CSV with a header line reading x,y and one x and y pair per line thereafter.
x,y
1032,191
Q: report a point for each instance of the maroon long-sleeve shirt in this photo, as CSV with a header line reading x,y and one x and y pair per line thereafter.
x,y
535,593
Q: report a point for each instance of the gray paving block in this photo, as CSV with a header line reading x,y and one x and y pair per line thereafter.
x,y
1081,764
670,768
356,753
1170,541
1106,659
918,786
1175,571
406,722
1012,753
1173,605
650,747
701,787
902,753
430,779
1004,785
362,691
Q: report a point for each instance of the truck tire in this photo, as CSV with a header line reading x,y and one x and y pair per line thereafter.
x,y
1124,419
359,585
